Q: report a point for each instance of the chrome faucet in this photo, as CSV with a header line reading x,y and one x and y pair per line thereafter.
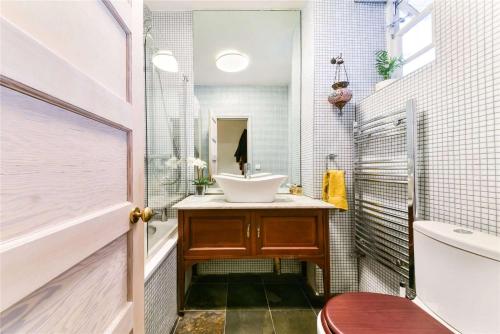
x,y
247,170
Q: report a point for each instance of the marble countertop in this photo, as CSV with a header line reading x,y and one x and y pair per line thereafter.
x,y
219,191
282,202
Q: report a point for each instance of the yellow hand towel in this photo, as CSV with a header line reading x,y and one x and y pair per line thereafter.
x,y
334,191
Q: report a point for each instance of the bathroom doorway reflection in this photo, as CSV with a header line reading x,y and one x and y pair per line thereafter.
x,y
229,147
232,145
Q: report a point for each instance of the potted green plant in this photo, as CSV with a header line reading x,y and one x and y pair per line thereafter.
x,y
201,182
386,65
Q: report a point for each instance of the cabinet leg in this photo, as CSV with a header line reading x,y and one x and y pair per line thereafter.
x,y
326,266
326,281
181,281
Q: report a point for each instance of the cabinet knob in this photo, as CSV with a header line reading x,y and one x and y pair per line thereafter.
x,y
248,231
258,232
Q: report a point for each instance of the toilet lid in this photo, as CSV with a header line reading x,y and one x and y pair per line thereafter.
x,y
364,312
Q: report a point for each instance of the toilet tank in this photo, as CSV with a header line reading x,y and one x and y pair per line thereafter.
x,y
457,273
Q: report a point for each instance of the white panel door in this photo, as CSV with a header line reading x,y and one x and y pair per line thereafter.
x,y
72,138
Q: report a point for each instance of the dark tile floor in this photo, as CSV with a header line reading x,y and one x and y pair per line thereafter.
x,y
260,304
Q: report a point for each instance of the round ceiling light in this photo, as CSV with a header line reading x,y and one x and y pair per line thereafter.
x,y
165,61
232,61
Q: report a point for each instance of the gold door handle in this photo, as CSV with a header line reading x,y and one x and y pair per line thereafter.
x,y
145,215
258,232
248,231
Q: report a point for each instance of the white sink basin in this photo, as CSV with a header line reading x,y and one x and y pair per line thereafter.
x,y
254,190
239,176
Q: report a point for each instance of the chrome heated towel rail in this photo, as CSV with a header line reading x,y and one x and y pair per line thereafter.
x,y
383,229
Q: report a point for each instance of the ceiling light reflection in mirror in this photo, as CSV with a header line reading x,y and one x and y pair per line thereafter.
x,y
232,61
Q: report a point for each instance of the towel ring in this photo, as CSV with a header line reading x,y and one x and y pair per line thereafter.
x,y
330,157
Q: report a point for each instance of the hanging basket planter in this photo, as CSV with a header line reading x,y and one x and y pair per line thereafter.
x,y
341,94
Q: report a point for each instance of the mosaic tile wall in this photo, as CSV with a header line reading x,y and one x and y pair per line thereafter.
x,y
357,31
246,266
267,106
169,114
307,100
160,297
458,124
294,105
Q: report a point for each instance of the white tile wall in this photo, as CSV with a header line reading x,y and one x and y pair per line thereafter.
x,y
357,31
160,297
294,105
169,111
307,99
221,267
169,115
458,124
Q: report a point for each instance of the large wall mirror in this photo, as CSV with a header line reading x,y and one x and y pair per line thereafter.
x,y
247,91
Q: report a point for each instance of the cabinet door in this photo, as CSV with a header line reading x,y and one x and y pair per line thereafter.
x,y
290,232
216,233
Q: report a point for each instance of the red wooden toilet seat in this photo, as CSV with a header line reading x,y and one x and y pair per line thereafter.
x,y
374,313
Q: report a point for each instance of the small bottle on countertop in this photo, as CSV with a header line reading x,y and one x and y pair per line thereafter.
x,y
295,189
298,190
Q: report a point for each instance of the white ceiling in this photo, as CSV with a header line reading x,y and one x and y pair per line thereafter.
x,y
265,36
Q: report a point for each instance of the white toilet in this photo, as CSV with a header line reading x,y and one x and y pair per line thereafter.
x,y
457,273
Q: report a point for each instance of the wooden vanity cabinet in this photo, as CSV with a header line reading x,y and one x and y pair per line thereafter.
x,y
300,234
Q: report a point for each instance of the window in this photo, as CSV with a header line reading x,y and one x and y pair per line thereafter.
x,y
412,33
